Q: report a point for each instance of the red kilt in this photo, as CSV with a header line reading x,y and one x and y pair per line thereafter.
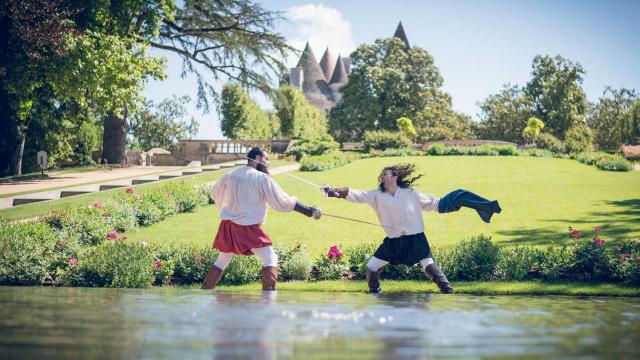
x,y
240,239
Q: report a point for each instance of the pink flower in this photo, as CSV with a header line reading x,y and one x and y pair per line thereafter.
x,y
574,233
618,248
73,261
334,252
112,234
105,215
598,229
129,191
598,241
96,205
158,264
625,256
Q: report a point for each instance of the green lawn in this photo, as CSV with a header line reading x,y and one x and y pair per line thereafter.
x,y
43,208
470,287
540,198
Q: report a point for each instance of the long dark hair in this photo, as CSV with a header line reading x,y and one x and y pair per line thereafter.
x,y
404,172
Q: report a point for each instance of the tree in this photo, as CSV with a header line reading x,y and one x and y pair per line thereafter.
x,y
556,93
437,121
33,33
298,118
161,125
503,115
242,118
531,132
225,38
386,82
614,119
406,127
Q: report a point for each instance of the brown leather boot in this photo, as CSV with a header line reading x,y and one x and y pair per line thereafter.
x,y
434,273
213,276
269,278
373,280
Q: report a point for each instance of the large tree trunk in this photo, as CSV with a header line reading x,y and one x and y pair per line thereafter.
x,y
114,139
16,164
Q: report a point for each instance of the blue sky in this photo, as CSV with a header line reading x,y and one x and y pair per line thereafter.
x,y
477,45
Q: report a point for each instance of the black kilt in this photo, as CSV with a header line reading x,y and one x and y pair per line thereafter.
x,y
406,249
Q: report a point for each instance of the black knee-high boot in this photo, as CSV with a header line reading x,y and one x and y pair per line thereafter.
x,y
434,273
373,280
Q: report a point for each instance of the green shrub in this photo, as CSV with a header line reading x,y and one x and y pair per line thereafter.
x,y
113,264
556,263
309,147
383,139
187,198
436,149
578,139
86,223
539,153
613,163
331,266
519,263
323,162
190,264
549,142
483,150
242,270
163,271
395,152
403,272
587,158
119,216
472,259
295,263
358,256
589,262
631,268
26,251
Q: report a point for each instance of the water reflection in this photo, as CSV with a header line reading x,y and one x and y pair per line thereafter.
x,y
179,323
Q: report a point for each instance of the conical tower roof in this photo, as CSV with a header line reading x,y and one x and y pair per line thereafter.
x,y
402,36
314,85
340,73
327,64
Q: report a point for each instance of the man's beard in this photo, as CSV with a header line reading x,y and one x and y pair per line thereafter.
x,y
262,168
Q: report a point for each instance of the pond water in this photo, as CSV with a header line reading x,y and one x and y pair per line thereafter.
x,y
190,323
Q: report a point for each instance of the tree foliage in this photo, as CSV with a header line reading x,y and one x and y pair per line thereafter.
x,y
386,83
162,125
298,118
242,118
556,93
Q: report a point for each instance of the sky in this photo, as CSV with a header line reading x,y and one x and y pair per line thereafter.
x,y
477,45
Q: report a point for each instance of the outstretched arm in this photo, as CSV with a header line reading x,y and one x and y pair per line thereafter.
x,y
428,202
352,195
281,201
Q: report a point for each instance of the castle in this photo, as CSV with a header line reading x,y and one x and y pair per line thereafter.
x,y
321,81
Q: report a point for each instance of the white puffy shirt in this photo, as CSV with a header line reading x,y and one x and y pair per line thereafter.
x,y
243,194
399,214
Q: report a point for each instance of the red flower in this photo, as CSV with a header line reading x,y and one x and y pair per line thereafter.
x,y
96,205
112,234
129,191
598,229
598,241
158,264
73,261
334,252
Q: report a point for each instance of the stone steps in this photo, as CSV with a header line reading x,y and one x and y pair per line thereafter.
x,y
108,185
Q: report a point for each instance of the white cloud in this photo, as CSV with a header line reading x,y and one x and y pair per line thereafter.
x,y
322,27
